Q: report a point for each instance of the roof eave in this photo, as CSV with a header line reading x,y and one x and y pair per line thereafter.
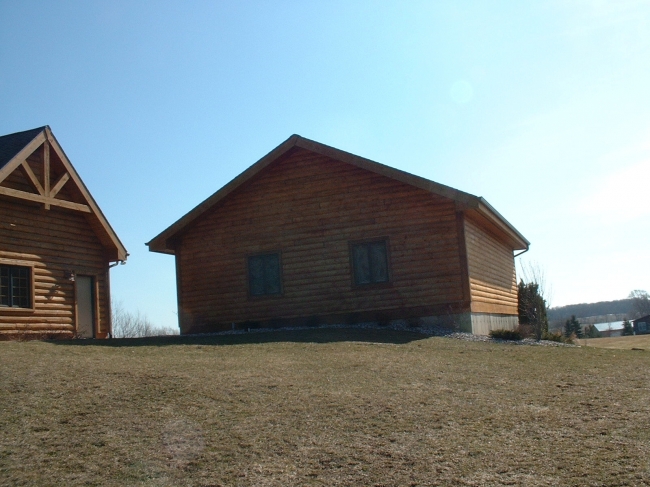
x,y
488,211
388,171
120,250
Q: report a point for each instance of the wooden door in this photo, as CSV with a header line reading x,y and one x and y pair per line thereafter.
x,y
85,306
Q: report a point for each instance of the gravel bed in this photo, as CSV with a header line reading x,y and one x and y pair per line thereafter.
x,y
429,331
526,341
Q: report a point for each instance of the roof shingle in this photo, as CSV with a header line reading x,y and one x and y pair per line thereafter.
x,y
12,144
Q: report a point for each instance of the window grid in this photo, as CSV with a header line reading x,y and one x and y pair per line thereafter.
x,y
370,263
4,285
15,286
264,277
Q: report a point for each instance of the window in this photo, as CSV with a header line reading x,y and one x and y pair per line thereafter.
x,y
370,262
643,326
264,276
15,286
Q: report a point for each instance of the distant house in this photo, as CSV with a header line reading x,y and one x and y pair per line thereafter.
x,y
641,325
612,329
56,246
310,234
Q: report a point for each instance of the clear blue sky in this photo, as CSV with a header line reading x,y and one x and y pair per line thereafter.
x,y
543,108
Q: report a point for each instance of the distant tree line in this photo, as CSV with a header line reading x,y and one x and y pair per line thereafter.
x,y
585,310
534,313
135,325
640,302
636,305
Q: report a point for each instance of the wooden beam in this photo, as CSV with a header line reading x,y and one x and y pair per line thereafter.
x,y
44,199
59,184
27,171
46,170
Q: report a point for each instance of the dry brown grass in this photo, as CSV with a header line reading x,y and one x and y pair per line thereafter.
x,y
325,407
619,343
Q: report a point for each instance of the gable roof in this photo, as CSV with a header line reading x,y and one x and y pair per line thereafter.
x,y
17,147
465,201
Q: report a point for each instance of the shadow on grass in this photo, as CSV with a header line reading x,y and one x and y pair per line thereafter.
x,y
322,335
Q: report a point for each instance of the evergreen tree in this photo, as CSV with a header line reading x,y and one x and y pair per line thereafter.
x,y
568,328
572,326
628,329
532,308
592,332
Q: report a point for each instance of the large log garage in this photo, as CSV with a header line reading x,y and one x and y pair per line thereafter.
x,y
56,246
310,235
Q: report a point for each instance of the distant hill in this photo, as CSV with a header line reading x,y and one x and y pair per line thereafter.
x,y
584,310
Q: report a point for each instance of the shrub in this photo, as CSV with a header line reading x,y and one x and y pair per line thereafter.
x,y
506,334
526,331
557,337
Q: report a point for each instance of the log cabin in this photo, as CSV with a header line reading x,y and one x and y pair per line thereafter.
x,y
310,235
56,246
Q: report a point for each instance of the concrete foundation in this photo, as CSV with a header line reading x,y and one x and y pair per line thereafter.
x,y
475,323
483,323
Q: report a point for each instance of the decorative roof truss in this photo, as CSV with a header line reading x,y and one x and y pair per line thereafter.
x,y
41,173
45,192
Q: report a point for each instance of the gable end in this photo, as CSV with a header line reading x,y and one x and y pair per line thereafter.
x,y
164,242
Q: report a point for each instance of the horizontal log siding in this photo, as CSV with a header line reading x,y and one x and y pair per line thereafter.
x,y
53,241
492,279
309,208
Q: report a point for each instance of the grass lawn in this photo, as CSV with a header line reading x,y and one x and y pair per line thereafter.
x,y
322,407
620,343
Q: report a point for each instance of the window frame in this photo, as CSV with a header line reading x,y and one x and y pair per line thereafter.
x,y
280,275
32,295
389,274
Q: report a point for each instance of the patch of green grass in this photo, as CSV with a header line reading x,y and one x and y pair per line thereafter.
x,y
321,407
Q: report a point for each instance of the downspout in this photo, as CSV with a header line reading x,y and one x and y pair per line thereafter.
x,y
110,266
520,253
110,307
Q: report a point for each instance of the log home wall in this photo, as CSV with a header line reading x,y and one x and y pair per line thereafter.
x,y
52,242
309,208
492,277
